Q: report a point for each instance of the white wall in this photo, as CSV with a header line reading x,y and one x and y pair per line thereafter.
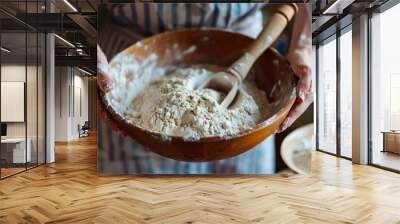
x,y
71,94
61,104
12,73
80,100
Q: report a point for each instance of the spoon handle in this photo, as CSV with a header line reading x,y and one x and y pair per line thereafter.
x,y
271,31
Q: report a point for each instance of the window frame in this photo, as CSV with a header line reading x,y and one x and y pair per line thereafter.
x,y
31,30
334,37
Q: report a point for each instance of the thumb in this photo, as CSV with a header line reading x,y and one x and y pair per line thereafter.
x,y
304,84
104,78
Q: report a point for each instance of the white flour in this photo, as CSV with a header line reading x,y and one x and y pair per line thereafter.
x,y
169,105
130,77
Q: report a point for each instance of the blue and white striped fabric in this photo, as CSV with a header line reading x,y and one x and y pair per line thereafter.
x,y
158,17
119,155
132,22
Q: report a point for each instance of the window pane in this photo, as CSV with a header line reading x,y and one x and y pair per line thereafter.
x,y
15,150
385,84
327,97
23,82
31,98
41,98
346,94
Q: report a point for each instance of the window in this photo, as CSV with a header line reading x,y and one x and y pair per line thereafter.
x,y
346,93
385,89
327,96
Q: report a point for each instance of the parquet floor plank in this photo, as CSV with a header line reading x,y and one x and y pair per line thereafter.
x,y
71,191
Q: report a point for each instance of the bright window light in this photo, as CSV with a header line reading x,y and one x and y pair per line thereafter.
x,y
5,50
86,72
65,41
70,5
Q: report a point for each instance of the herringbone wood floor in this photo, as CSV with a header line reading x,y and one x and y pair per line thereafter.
x,y
70,191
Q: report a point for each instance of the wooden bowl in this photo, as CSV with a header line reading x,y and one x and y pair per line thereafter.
x,y
273,75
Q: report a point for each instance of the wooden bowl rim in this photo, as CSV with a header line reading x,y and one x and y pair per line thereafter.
x,y
264,124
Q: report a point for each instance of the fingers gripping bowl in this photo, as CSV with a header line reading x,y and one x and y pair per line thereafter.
x,y
272,75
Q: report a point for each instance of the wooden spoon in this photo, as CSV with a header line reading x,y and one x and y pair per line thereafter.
x,y
228,81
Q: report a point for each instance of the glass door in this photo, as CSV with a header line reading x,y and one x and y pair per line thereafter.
x,y
345,42
32,99
35,90
22,78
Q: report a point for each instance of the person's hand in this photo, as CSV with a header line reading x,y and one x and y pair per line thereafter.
x,y
105,84
304,96
299,56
